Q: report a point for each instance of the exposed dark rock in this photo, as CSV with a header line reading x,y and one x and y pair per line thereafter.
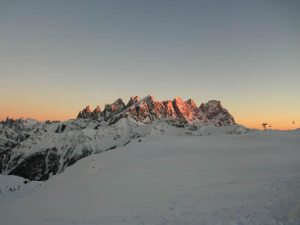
x,y
214,111
87,114
22,137
113,109
60,128
113,147
38,166
132,101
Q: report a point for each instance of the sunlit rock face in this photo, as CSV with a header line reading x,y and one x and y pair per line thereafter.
x,y
170,111
86,113
183,110
195,110
132,101
113,109
146,110
214,113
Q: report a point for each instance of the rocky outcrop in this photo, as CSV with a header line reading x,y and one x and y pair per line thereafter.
x,y
86,113
132,101
113,109
195,110
147,109
213,112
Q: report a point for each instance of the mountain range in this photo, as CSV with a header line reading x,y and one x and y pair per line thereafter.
x,y
38,150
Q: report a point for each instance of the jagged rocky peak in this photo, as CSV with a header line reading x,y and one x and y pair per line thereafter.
x,y
97,110
147,109
148,98
195,110
96,114
191,103
87,109
133,100
9,121
213,112
9,118
183,110
113,109
170,111
21,124
87,114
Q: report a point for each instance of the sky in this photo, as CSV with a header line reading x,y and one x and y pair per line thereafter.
x,y
58,56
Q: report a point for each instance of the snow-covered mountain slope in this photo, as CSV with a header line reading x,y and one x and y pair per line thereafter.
x,y
248,179
14,131
37,150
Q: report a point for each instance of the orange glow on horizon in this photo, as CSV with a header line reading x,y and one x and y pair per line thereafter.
x,y
280,113
253,123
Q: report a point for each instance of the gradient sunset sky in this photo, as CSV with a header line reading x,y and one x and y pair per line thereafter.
x,y
58,56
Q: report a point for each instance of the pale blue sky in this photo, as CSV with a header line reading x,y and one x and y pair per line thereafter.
x,y
67,54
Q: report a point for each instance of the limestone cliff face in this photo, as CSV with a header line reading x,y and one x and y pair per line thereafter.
x,y
214,112
146,110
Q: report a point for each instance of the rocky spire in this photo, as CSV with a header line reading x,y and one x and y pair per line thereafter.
x,y
183,109
87,114
170,111
97,110
87,109
195,110
113,109
147,109
214,113
133,100
191,103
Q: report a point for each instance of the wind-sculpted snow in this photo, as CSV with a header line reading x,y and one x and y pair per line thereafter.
x,y
38,150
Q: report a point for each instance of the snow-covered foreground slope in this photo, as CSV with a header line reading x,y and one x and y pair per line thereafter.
x,y
253,178
13,187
